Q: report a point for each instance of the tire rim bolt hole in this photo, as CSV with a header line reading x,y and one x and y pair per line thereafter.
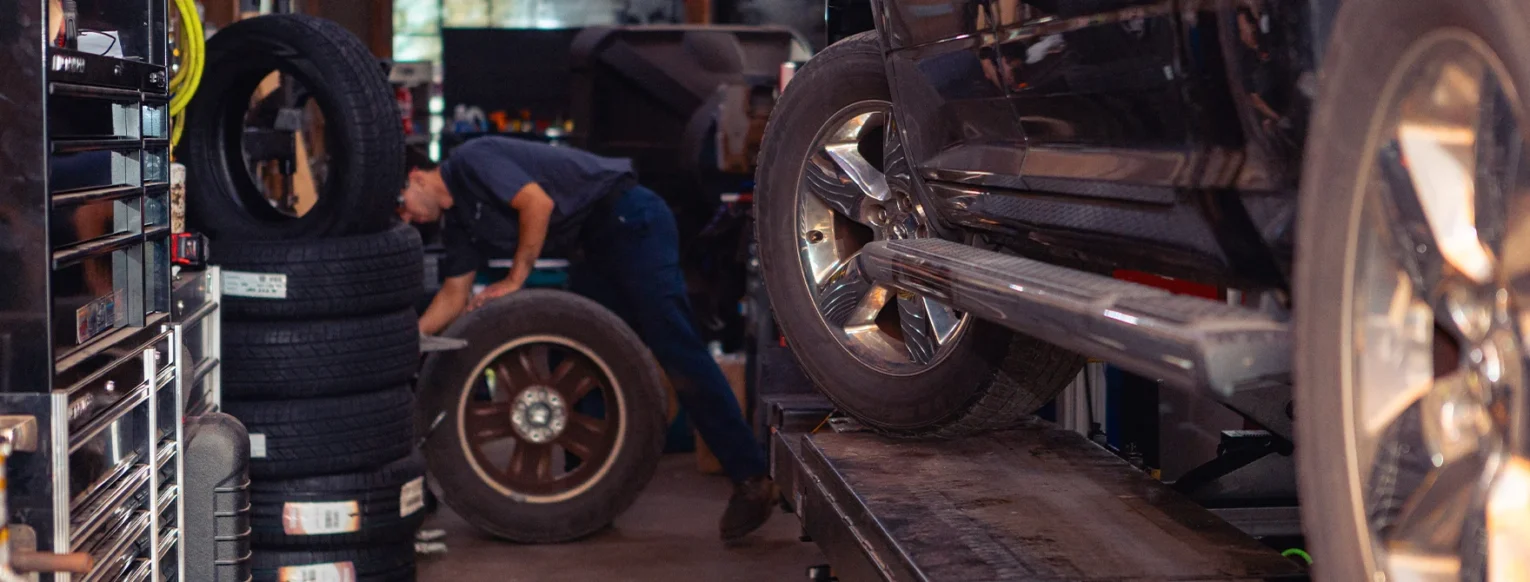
x,y
815,236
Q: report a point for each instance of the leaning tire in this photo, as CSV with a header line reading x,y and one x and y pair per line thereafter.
x,y
308,359
362,129
985,380
383,563
325,278
332,511
327,436
595,345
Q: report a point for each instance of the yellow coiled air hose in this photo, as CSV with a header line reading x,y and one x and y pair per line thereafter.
x,y
193,55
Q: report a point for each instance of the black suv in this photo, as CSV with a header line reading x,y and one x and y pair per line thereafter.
x,y
946,201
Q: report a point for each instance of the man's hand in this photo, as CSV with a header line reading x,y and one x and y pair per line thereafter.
x,y
493,292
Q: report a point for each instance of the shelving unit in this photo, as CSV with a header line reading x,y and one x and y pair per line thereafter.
x,y
91,358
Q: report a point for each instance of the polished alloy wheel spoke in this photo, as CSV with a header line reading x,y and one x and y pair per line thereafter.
x,y
1395,335
1508,522
847,299
854,166
894,158
918,335
1412,242
1438,137
841,176
837,190
1406,565
1432,518
943,320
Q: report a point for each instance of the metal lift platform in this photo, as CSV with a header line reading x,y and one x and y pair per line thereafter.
x,y
1036,503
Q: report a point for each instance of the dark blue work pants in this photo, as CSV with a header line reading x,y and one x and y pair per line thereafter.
x,y
632,266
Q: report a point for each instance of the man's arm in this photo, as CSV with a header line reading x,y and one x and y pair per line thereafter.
x,y
535,208
448,303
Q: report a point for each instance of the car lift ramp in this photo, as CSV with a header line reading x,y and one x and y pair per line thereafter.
x,y
1030,504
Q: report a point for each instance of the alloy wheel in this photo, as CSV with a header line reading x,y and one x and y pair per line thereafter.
x,y
855,189
541,419
1438,419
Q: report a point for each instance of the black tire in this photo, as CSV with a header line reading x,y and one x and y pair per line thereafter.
x,y
444,384
382,563
308,359
327,436
990,379
1370,40
387,505
362,129
327,278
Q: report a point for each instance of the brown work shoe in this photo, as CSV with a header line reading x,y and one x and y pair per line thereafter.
x,y
750,507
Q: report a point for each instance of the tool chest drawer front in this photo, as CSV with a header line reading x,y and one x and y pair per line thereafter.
x,y
109,219
111,396
102,508
167,520
193,300
81,68
80,112
118,553
100,400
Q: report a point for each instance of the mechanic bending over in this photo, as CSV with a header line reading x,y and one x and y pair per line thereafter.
x,y
505,197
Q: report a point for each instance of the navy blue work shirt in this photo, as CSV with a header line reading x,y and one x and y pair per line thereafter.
x,y
484,174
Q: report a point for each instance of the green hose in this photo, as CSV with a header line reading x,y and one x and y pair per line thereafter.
x,y
1298,553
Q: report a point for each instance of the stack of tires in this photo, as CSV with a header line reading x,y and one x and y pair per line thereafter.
x,y
320,336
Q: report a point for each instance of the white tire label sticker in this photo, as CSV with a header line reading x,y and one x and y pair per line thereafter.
x,y
412,497
257,445
255,285
336,572
318,519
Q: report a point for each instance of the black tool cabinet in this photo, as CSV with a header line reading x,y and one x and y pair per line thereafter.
x,y
102,347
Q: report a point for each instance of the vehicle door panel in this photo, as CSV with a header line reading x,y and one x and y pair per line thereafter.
x,y
946,80
1095,86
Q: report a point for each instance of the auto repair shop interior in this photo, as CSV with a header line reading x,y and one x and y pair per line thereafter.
x,y
764,290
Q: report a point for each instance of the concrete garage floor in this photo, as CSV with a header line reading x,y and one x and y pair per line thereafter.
x,y
669,534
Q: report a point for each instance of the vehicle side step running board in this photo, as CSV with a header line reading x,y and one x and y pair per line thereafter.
x,y
1238,356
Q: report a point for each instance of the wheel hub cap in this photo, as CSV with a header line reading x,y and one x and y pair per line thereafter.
x,y
538,414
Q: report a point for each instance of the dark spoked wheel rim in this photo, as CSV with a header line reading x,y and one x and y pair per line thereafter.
x,y
541,419
1438,423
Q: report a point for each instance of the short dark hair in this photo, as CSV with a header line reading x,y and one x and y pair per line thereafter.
x,y
416,158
